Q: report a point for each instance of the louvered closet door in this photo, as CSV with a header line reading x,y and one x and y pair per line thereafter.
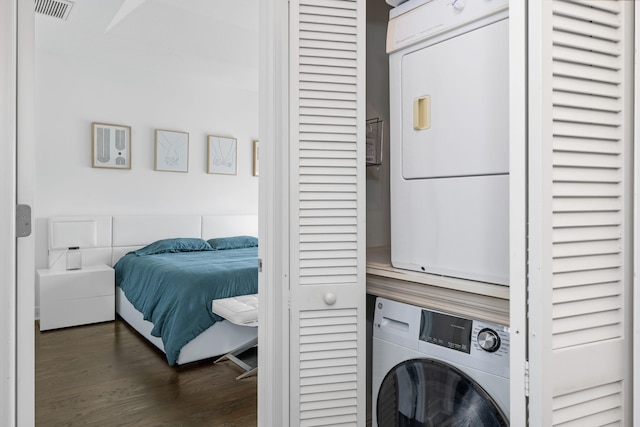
x,y
328,213
580,198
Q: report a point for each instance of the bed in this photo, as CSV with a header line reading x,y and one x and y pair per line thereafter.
x,y
212,336
173,282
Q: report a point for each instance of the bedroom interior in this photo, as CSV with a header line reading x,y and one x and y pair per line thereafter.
x,y
148,66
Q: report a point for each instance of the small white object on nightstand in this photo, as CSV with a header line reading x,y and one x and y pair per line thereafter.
x,y
76,297
74,258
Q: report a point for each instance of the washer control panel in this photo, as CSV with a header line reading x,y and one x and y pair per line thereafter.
x,y
476,343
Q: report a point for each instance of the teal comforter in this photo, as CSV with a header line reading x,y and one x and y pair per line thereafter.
x,y
174,291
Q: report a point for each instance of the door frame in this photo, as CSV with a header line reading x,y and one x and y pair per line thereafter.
x,y
518,209
25,246
636,226
17,33
273,316
8,146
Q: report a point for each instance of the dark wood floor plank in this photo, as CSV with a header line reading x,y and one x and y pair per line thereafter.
x,y
106,374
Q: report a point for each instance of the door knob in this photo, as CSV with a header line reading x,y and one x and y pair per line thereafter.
x,y
330,298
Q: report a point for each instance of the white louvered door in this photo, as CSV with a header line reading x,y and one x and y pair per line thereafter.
x,y
327,220
580,200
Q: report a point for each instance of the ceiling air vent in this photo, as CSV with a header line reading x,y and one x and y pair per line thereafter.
x,y
55,8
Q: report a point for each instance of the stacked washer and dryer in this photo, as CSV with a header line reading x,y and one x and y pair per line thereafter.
x,y
449,73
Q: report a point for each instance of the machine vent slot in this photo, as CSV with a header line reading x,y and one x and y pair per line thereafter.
x,y
59,9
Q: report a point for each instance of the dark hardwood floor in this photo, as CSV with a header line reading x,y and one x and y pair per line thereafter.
x,y
107,375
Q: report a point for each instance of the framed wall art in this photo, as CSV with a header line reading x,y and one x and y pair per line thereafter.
x,y
111,146
222,155
171,151
256,158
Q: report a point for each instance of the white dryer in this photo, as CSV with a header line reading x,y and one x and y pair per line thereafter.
x,y
449,138
436,369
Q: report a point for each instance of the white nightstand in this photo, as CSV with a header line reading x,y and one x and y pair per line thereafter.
x,y
76,297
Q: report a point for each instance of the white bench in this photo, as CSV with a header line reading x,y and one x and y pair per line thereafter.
x,y
243,311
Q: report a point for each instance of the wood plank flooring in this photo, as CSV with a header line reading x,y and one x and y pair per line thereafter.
x,y
107,375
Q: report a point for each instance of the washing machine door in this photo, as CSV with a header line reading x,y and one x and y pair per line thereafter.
x,y
429,393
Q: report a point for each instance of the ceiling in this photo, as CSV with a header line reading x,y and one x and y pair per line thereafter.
x,y
200,39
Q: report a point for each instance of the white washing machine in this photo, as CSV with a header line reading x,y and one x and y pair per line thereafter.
x,y
435,369
449,138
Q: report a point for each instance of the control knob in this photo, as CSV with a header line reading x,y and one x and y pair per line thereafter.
x,y
488,340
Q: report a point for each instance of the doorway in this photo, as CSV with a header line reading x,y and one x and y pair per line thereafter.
x,y
150,67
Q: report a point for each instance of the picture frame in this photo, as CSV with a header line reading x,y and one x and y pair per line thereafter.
x,y
111,146
171,151
256,158
222,155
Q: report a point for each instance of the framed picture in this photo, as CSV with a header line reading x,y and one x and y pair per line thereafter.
x,y
256,158
222,155
111,146
172,151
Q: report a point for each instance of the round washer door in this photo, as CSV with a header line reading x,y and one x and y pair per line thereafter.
x,y
429,393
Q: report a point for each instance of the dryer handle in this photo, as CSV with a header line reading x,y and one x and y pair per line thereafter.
x,y
422,112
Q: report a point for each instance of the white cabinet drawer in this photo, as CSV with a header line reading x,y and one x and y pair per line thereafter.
x,y
76,297
73,312
66,284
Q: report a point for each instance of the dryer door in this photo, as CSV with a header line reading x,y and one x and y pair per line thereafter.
x,y
462,126
429,393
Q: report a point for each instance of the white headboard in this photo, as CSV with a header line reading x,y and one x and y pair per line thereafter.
x,y
92,234
105,239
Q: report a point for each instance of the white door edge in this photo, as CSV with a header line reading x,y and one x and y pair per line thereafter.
x,y
273,335
518,209
25,256
8,113
636,237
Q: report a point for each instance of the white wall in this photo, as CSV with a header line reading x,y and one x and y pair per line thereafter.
x,y
72,92
378,204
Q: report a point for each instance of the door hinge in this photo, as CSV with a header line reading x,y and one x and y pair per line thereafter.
x,y
526,378
259,265
23,220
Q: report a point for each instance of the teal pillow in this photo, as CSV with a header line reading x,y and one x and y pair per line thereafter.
x,y
235,242
182,244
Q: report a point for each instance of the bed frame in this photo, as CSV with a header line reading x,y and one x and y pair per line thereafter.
x,y
105,239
